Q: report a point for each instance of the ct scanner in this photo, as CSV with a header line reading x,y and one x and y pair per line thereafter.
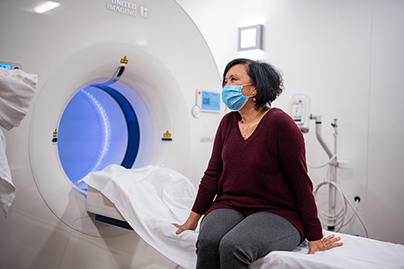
x,y
119,83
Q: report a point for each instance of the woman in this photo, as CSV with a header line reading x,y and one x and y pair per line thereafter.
x,y
255,194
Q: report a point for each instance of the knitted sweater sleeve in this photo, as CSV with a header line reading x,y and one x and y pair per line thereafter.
x,y
292,156
208,187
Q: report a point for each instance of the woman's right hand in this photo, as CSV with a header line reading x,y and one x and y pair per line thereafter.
x,y
190,224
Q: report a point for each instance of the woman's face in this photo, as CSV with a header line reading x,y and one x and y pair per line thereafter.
x,y
237,75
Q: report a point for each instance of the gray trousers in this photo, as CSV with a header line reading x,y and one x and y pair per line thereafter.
x,y
227,239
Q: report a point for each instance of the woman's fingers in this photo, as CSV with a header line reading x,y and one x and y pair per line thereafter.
x,y
180,229
331,241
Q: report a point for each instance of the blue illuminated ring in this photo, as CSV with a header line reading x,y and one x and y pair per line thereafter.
x,y
131,122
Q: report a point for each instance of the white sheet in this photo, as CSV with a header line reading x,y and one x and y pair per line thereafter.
x,y
357,252
17,89
7,188
152,198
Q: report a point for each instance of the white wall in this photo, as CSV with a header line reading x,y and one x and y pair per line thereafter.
x,y
348,57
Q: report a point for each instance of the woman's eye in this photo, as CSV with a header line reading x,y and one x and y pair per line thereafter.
x,y
230,80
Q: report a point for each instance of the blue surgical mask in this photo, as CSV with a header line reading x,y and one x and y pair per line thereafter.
x,y
233,98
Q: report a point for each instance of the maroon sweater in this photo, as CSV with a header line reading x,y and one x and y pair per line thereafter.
x,y
266,172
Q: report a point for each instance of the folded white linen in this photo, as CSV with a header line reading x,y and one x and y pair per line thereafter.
x,y
7,188
151,199
17,89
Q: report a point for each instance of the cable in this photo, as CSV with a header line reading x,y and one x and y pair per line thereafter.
x,y
323,165
338,219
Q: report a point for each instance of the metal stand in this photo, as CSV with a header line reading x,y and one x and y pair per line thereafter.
x,y
332,176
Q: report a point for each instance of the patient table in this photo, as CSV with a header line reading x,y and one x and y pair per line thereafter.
x,y
150,199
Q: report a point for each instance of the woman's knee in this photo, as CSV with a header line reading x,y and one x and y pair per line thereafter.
x,y
207,240
215,225
232,247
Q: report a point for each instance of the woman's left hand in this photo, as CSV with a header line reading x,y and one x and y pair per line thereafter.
x,y
326,243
